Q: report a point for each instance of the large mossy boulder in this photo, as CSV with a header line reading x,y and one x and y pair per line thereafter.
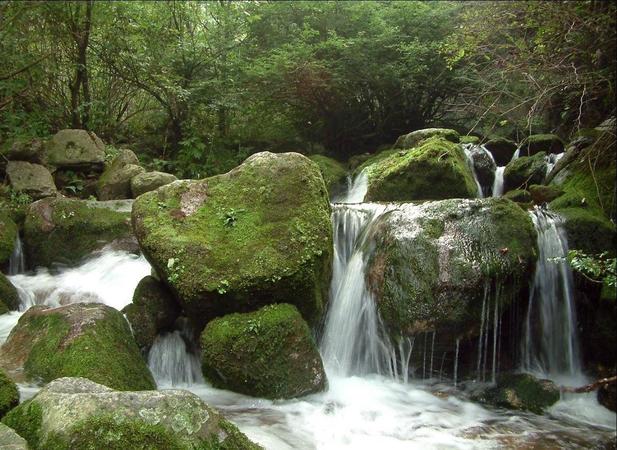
x,y
502,150
520,196
547,143
258,234
76,413
152,311
75,149
267,353
334,173
416,138
433,262
10,440
9,394
149,181
525,171
521,391
9,299
61,230
32,179
115,181
89,340
437,169
8,236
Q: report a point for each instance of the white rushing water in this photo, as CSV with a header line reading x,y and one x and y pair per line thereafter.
x,y
551,342
17,261
468,150
357,188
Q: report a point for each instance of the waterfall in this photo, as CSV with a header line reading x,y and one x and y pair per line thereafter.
x,y
468,148
356,189
497,190
550,346
171,361
17,262
353,341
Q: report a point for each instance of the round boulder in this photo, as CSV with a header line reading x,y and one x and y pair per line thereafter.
x,y
32,179
149,181
525,171
415,138
502,150
547,143
75,149
268,353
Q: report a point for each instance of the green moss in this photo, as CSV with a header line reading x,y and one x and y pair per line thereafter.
x,y
66,231
259,234
334,173
525,171
8,294
469,140
8,235
522,392
549,143
418,137
115,433
102,350
520,196
26,420
435,170
9,395
544,194
250,353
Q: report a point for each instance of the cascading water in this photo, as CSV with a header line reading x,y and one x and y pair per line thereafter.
x,y
468,149
17,262
356,189
171,361
550,346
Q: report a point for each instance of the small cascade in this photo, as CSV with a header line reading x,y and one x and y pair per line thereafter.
x,y
353,341
551,160
356,189
468,149
458,342
171,361
17,261
550,346
497,190
490,334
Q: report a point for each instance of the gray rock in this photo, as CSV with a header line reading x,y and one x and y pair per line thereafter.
x,y
484,168
149,181
76,149
32,179
115,182
10,440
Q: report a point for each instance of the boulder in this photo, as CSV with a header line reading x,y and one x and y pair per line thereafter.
x,y
9,395
76,413
31,150
115,182
75,149
607,396
544,194
61,230
521,391
8,294
469,140
258,234
8,236
149,181
415,138
152,311
334,173
10,440
268,353
433,262
502,150
81,339
32,179
547,143
520,196
435,170
525,171
484,167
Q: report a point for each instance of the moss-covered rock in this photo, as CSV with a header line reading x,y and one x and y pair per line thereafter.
x,y
8,294
10,440
437,169
544,194
416,138
153,310
267,353
149,181
75,413
520,196
82,339
9,394
334,173
547,143
8,236
65,231
256,235
32,179
502,150
525,171
469,140
115,182
432,263
521,391
75,149
588,203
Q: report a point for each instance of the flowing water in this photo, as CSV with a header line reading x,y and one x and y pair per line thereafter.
x,y
370,402
17,262
551,343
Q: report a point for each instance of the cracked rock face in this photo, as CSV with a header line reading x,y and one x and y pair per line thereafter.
x,y
69,411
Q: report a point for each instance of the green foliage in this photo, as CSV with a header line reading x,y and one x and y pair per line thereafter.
x,y
597,268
